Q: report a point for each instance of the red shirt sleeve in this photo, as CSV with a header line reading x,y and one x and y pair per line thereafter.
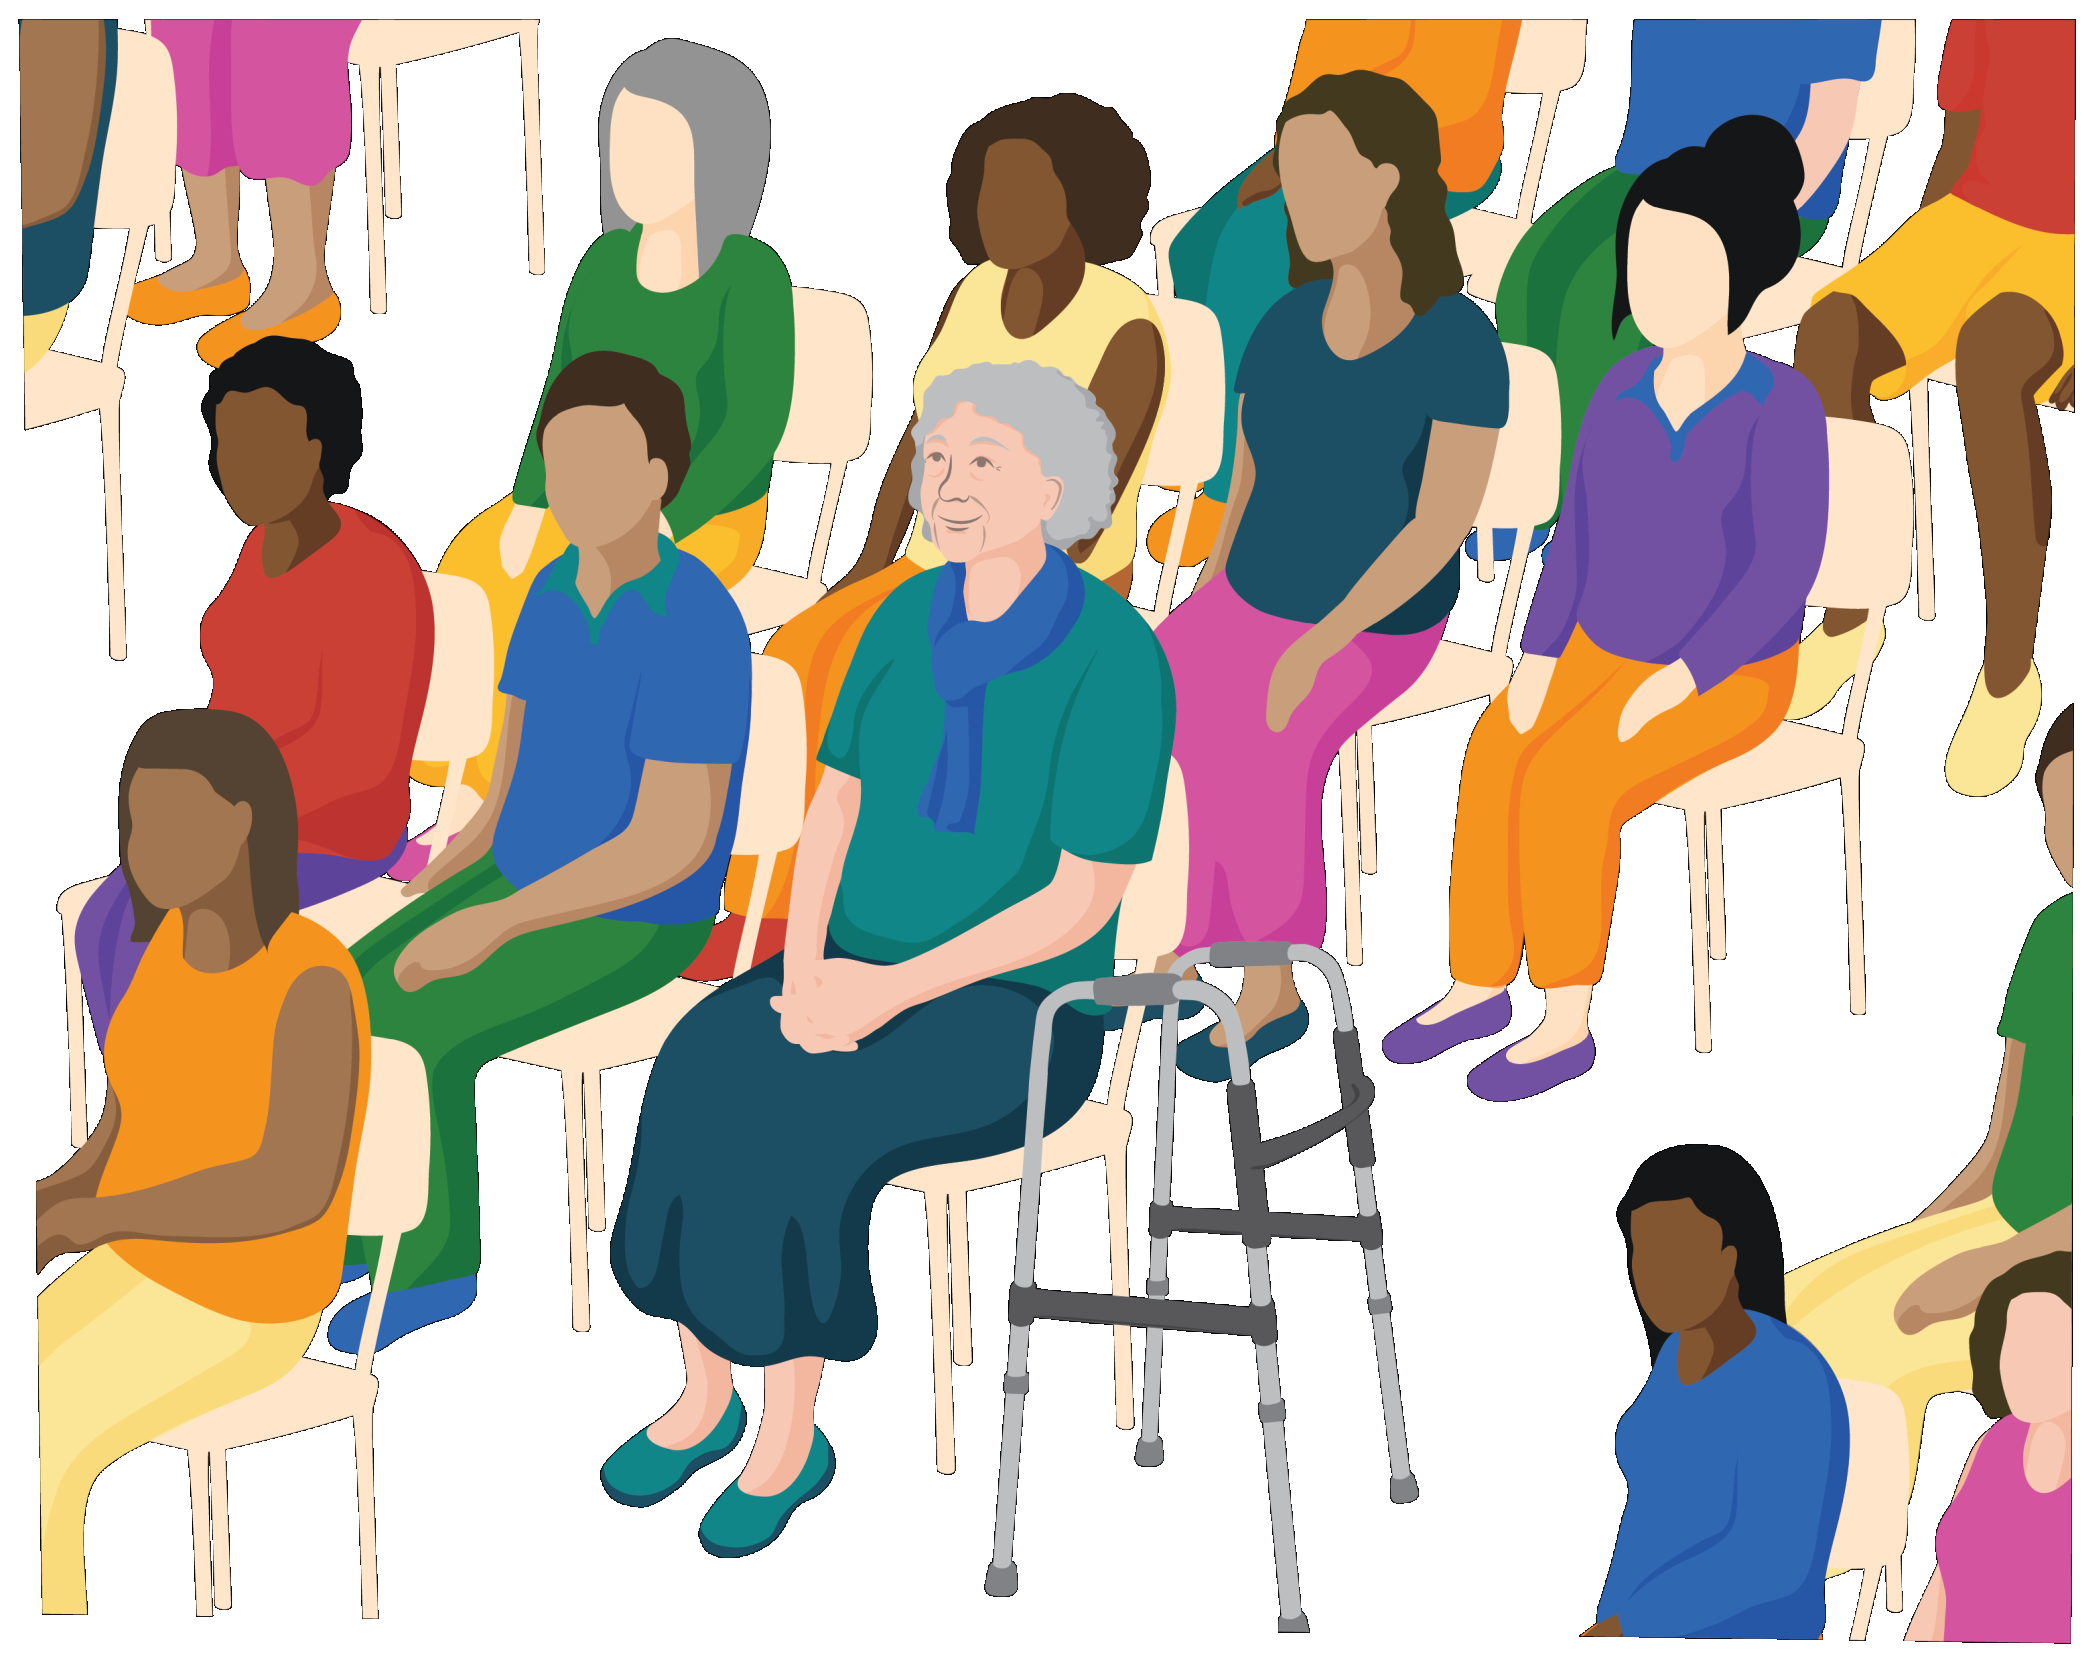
x,y
1961,85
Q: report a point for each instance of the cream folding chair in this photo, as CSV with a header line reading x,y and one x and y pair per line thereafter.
x,y
1923,484
378,50
1187,445
774,803
136,197
1160,235
1874,1518
1520,494
391,1193
1867,566
1151,924
1549,60
1882,112
830,424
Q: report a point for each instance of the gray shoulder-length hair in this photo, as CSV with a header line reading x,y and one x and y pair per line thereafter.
x,y
730,120
1062,425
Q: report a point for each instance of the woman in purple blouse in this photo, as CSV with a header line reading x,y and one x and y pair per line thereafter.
x,y
1662,639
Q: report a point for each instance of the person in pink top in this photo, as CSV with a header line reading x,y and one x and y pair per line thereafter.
x,y
2003,1552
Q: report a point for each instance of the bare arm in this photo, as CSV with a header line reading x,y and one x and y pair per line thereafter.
x,y
81,1174
1974,1182
1128,386
290,1178
1959,133
1828,124
825,837
1240,483
477,836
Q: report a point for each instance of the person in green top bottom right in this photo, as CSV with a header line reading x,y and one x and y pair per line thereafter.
x,y
1895,1309
995,769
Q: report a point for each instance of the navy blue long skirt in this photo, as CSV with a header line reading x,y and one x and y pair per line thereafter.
x,y
748,1213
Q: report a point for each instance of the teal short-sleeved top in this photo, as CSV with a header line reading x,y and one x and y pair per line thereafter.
x,y
1075,756
2034,1175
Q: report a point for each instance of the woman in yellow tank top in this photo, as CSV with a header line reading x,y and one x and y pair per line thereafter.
x,y
212,1201
1041,194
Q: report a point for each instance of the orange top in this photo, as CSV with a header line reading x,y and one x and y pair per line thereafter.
x,y
189,1056
1457,65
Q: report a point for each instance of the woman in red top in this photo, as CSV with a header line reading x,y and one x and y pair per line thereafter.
x,y
323,634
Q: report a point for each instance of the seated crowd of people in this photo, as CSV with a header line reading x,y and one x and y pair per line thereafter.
x,y
990,727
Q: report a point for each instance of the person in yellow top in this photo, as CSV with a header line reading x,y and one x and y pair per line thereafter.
x,y
212,1201
1231,256
1041,195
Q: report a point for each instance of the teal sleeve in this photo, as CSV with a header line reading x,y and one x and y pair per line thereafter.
x,y
1112,764
744,392
869,665
1192,249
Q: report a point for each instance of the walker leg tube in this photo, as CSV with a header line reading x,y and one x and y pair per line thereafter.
x,y
1272,1412
1403,1483
1148,1447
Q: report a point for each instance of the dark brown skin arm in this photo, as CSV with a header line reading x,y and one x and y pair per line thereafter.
x,y
62,79
1959,132
81,1174
1128,386
286,1183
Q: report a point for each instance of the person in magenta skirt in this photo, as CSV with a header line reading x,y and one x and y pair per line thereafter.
x,y
2003,1552
1368,407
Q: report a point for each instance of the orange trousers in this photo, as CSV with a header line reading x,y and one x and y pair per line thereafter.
x,y
1537,831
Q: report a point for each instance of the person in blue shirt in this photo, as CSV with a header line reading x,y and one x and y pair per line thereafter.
x,y
1735,1451
591,874
1688,76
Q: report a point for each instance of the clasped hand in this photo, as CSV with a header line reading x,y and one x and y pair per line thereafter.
x,y
1293,679
836,1003
63,1227
451,947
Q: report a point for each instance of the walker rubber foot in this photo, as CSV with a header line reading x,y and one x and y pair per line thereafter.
x,y
1002,1580
1148,1452
1404,1489
1296,1624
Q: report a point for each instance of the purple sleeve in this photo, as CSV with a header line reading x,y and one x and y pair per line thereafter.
x,y
1788,479
1553,613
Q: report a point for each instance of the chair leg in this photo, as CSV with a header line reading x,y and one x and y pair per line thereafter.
x,y
592,1133
1857,971
389,119
1718,946
1122,1334
366,1514
534,178
1894,1583
1698,924
1349,837
200,1526
1865,1607
113,521
1370,843
937,1234
962,1285
1923,499
221,1536
577,1199
374,186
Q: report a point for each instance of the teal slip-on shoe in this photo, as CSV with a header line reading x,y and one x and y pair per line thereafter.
x,y
1202,1059
739,1524
641,1472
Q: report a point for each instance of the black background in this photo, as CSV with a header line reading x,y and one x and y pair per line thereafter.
x,y
1517,1331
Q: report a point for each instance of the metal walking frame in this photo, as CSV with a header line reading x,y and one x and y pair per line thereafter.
x,y
1251,1219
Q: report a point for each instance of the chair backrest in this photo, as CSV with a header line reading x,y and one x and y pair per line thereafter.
x,y
1550,55
1186,446
459,712
1868,519
381,43
1160,235
1873,1514
1152,912
392,1162
1885,104
138,165
774,787
831,416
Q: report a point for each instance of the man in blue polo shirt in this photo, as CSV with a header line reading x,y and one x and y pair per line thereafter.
x,y
591,875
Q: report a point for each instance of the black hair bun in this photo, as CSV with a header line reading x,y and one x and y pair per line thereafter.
x,y
1758,148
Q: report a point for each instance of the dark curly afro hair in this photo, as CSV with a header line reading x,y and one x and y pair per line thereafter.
x,y
1101,164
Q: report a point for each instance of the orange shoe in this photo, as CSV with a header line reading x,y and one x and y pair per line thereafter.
x,y
1200,530
315,323
154,302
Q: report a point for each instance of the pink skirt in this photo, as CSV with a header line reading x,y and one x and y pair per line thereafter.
x,y
1255,797
270,97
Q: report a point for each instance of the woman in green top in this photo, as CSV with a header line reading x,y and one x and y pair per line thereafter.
x,y
1896,1308
685,139
995,770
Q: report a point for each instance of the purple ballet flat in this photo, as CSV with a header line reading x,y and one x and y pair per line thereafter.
x,y
1498,1079
1417,1041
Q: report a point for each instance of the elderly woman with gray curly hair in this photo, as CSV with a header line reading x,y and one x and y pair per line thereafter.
x,y
995,770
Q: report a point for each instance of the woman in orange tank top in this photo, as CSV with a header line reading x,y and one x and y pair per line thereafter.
x,y
212,1201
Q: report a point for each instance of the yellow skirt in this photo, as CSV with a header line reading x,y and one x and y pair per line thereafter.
x,y
729,543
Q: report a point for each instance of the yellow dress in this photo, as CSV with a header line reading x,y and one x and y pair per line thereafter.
x,y
818,644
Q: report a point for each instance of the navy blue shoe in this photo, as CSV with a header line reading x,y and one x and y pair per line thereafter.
x,y
1501,542
641,1472
1201,1058
406,1309
1187,1010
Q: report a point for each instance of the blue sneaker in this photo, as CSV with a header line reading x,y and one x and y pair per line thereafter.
x,y
1501,542
739,1524
406,1309
641,1472
1202,1059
